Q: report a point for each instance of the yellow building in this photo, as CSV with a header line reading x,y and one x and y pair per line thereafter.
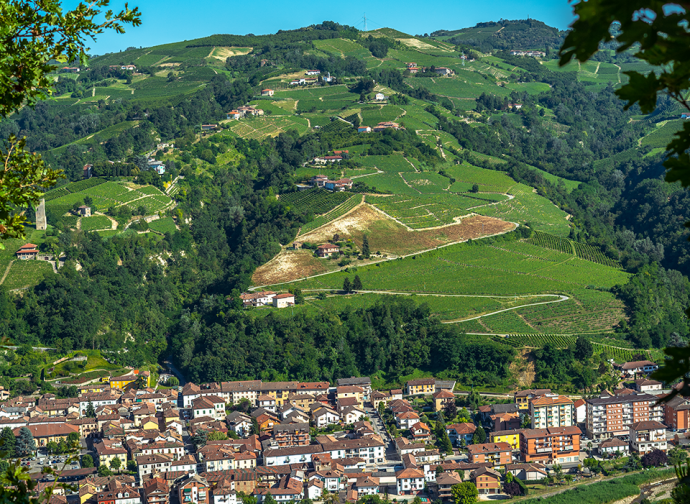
x,y
421,386
524,397
124,381
150,424
510,437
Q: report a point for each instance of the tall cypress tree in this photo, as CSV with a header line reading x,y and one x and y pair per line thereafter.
x,y
365,247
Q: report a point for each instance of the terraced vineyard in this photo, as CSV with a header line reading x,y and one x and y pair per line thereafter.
x,y
338,211
316,200
74,187
614,352
587,252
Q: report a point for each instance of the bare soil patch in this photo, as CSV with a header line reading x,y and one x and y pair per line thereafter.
x,y
417,44
389,237
222,53
287,266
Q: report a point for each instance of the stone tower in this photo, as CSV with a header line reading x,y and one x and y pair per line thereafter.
x,y
41,220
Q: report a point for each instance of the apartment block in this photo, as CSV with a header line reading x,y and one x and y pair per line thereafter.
x,y
551,411
610,415
551,445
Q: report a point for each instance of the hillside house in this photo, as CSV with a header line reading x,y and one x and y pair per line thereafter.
x,y
516,106
234,114
262,298
249,110
420,431
685,116
327,250
310,81
156,166
385,125
313,72
364,129
412,67
338,185
84,211
26,252
318,180
645,385
327,159
443,71
283,300
87,172
380,97
267,92
421,386
527,472
209,127
638,367
70,70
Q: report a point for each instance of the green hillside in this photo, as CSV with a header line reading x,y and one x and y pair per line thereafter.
x,y
501,195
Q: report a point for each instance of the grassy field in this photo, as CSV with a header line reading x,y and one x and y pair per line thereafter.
x,y
258,128
338,211
662,134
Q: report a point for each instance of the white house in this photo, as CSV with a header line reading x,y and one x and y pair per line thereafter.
x,y
290,455
267,92
380,96
648,436
313,72
324,417
409,481
614,446
284,300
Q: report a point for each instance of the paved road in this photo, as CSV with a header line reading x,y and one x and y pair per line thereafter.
x,y
380,428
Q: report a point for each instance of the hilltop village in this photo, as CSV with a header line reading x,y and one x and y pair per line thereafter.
x,y
217,443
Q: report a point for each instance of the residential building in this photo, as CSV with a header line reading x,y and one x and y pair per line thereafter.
x,y
372,450
292,434
487,481
49,432
380,96
257,299
523,397
614,446
551,411
420,431
444,484
459,432
313,72
267,92
677,413
118,493
551,445
409,481
442,398
338,185
28,251
193,489
638,367
210,405
386,125
156,491
266,401
527,472
239,423
497,454
350,391
580,411
647,436
324,416
284,300
609,416
421,386
406,419
512,437
291,455
109,449
646,385
364,129
327,250
234,114
443,71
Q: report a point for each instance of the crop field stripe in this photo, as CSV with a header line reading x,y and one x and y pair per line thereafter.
x,y
338,211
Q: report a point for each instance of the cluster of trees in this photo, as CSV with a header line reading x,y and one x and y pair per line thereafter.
x,y
508,34
395,337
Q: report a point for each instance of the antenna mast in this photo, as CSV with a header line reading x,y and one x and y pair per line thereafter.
x,y
365,22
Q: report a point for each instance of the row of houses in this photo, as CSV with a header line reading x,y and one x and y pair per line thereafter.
x,y
244,111
324,182
266,298
443,71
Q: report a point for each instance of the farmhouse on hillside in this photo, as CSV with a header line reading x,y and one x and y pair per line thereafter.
x,y
327,249
338,185
327,159
364,129
257,298
84,211
234,114
313,72
412,67
443,71
385,125
28,251
283,300
267,92
380,96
